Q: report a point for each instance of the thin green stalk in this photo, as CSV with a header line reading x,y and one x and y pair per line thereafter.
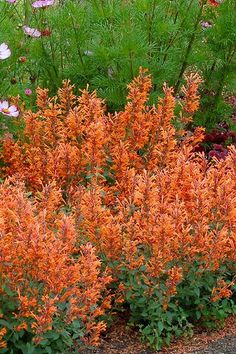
x,y
77,41
229,58
151,19
177,12
221,85
131,64
99,6
210,72
189,47
175,36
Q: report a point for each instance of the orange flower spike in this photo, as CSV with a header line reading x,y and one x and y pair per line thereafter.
x,y
54,130
66,96
34,128
221,291
165,109
64,164
91,108
44,318
175,275
191,140
132,125
42,98
139,89
49,199
74,124
12,155
93,147
3,343
162,146
191,98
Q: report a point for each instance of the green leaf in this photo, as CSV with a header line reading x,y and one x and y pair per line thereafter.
x,y
48,350
160,327
6,324
198,315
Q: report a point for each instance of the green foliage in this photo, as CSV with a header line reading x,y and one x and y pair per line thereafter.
x,y
194,295
103,43
158,326
60,339
161,318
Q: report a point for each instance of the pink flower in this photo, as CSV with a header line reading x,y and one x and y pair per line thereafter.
x,y
42,3
32,32
11,1
205,24
7,110
28,92
4,51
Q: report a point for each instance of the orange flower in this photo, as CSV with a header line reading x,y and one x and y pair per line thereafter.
x,y
3,343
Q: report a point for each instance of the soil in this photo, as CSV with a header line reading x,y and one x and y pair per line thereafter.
x,y
121,339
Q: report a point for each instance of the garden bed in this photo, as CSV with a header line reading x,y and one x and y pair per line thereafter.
x,y
121,339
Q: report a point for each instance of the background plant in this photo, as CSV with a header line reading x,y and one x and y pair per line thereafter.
x,y
103,43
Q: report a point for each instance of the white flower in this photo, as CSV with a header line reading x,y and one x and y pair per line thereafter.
x,y
4,51
7,110
88,53
32,32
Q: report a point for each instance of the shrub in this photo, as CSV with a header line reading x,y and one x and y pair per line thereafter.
x,y
72,140
170,306
52,287
159,215
104,43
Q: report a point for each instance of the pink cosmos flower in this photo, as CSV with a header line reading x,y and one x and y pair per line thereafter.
x,y
4,51
205,24
28,92
11,1
42,3
32,32
7,110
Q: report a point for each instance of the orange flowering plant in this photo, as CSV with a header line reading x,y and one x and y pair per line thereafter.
x,y
127,188
52,286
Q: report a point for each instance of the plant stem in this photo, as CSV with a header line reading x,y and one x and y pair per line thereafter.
x,y
210,73
150,19
189,47
77,41
229,59
131,64
173,38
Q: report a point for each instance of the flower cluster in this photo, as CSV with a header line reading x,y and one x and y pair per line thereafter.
x,y
135,196
216,142
48,284
218,152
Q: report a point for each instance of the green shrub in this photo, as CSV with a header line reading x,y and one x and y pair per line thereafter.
x,y
162,317
103,43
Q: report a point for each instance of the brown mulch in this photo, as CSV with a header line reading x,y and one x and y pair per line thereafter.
x,y
121,339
